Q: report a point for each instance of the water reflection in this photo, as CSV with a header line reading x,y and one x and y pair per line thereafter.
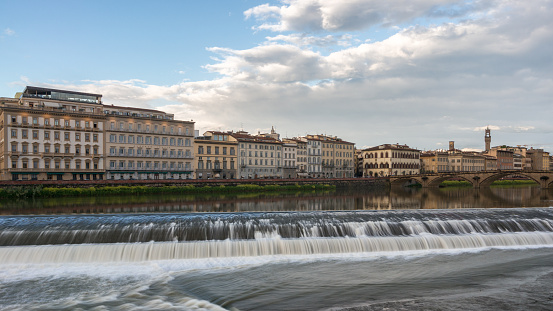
x,y
372,199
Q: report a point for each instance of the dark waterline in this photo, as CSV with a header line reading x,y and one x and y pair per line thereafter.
x,y
369,199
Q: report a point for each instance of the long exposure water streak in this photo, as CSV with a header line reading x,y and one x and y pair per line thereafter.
x,y
401,249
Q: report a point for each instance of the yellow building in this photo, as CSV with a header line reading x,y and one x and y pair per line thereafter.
x,y
216,156
337,156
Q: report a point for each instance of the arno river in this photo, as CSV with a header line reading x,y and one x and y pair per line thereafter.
x,y
400,249
369,199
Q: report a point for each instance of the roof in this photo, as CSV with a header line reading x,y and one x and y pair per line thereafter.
x,y
391,147
57,90
258,139
132,108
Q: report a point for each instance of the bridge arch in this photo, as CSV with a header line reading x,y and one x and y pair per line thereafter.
x,y
539,178
477,179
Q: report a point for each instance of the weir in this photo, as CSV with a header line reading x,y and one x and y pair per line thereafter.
x,y
113,238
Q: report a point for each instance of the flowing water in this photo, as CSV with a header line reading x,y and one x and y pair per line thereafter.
x,y
438,249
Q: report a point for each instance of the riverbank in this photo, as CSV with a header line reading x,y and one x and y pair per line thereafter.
x,y
40,191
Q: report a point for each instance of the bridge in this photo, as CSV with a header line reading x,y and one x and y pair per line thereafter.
x,y
477,179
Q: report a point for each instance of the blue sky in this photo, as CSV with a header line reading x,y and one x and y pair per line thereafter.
x,y
420,73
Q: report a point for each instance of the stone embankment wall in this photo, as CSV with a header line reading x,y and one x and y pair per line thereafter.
x,y
338,182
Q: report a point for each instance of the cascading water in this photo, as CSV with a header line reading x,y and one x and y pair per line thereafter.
x,y
116,238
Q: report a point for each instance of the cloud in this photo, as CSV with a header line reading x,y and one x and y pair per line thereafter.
x,y
422,85
9,32
303,40
330,15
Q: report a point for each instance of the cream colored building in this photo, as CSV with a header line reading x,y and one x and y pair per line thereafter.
x,y
289,161
147,144
390,160
50,134
216,156
258,156
301,156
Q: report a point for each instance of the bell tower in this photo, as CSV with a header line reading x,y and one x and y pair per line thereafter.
x,y
488,139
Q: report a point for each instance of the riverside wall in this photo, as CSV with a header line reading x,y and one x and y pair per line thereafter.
x,y
338,182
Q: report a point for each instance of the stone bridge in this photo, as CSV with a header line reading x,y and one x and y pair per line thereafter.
x,y
477,179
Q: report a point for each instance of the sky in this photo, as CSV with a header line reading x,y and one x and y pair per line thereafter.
x,y
420,73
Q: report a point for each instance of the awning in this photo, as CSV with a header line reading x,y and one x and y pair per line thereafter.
x,y
55,173
25,173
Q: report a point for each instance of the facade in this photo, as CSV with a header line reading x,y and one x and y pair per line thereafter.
x,y
434,162
539,159
301,156
504,157
390,160
314,157
258,156
337,156
290,164
51,134
216,156
147,144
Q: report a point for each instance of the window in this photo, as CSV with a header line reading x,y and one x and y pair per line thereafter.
x,y
24,133
66,135
67,123
86,137
14,133
78,136
95,137
46,135
57,135
112,138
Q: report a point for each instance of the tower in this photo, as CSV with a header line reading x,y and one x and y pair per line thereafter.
x,y
488,139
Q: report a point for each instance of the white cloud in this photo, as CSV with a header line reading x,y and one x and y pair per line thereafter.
x,y
331,15
9,32
423,85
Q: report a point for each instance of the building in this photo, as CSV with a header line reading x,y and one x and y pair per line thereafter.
x,y
314,157
290,153
259,156
539,159
504,157
389,160
337,156
147,144
216,156
51,134
487,139
301,156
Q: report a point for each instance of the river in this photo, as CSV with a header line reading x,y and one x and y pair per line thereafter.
x,y
398,249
